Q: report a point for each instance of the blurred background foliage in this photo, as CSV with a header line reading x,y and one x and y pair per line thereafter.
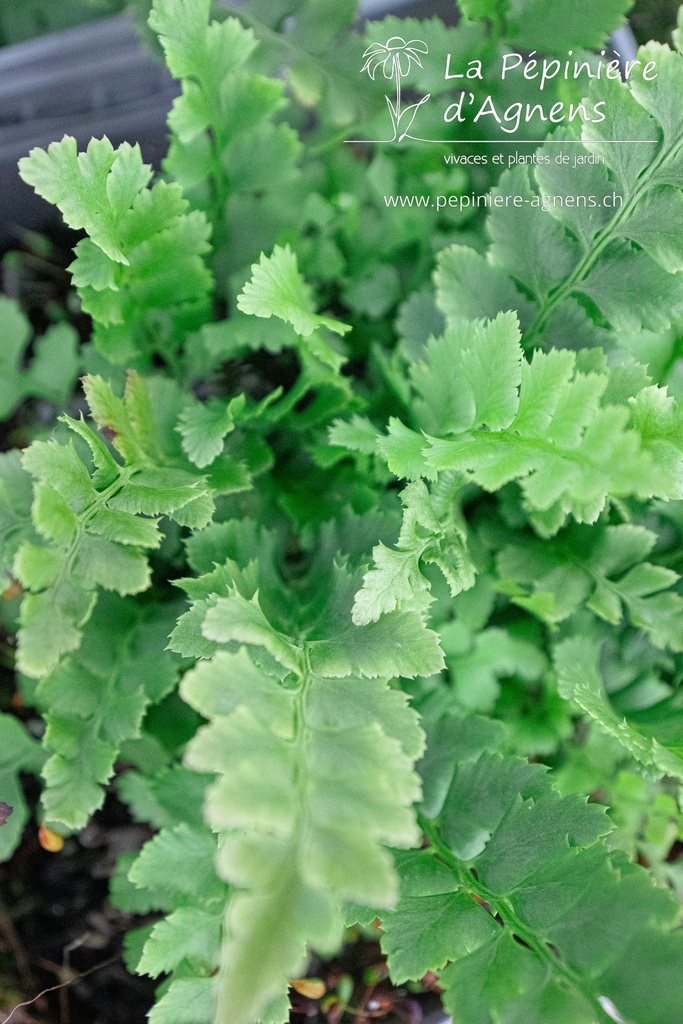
x,y
26,19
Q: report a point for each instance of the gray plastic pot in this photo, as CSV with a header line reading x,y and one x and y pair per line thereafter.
x,y
88,81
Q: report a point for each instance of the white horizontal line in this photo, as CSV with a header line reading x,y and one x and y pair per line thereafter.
x,y
501,142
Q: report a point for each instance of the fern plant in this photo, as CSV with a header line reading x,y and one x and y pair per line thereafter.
x,y
357,576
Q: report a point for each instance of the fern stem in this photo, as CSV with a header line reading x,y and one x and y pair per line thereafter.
x,y
96,505
604,237
502,908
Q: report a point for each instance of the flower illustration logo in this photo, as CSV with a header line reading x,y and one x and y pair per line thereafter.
x,y
396,57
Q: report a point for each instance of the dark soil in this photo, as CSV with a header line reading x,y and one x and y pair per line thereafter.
x,y
56,922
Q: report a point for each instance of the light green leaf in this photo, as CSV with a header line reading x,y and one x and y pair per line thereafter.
x,y
51,373
468,286
203,428
470,377
298,841
186,1001
397,645
235,618
393,581
90,189
277,289
357,435
229,681
95,701
187,934
528,243
180,862
530,24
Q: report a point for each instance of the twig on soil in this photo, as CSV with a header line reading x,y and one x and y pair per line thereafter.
x,y
65,974
64,984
